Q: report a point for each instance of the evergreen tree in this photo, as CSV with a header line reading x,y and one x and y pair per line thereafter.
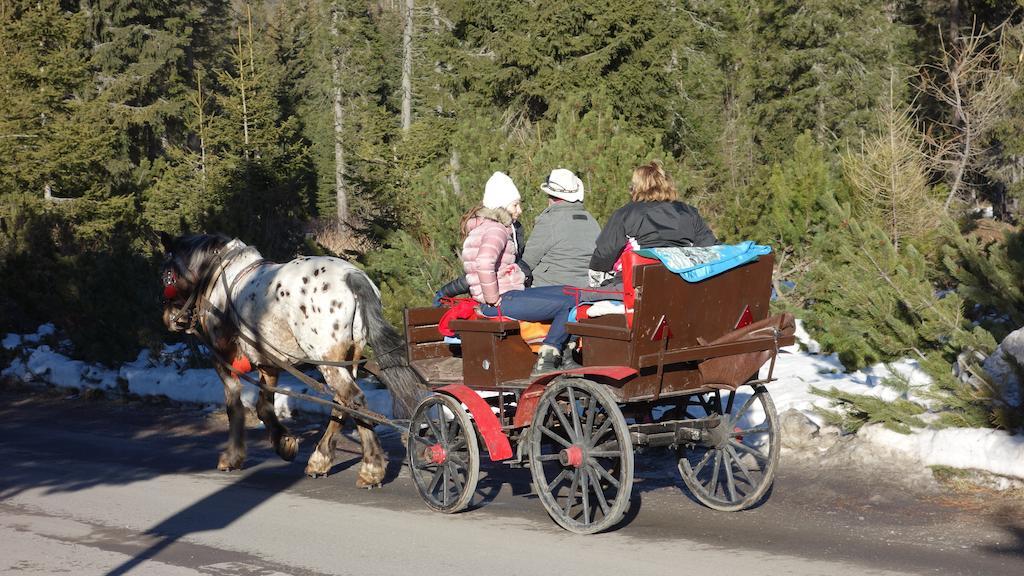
x,y
990,278
822,65
874,302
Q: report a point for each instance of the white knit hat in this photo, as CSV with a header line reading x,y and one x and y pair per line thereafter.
x,y
500,191
562,183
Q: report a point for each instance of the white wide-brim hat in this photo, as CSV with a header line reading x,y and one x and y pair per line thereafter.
x,y
562,183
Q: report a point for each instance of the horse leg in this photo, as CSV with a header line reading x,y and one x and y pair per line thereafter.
x,y
371,471
322,458
234,456
284,443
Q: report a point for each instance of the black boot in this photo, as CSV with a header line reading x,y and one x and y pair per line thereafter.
x,y
568,360
568,363
548,360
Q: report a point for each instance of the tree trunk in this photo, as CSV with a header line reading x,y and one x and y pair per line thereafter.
x,y
453,162
241,86
407,66
337,63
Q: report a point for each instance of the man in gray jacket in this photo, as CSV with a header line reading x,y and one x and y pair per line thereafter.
x,y
564,234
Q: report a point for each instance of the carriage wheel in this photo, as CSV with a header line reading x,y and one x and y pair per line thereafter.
x,y
443,453
581,456
732,468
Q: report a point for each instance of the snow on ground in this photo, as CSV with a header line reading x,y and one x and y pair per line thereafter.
x,y
168,374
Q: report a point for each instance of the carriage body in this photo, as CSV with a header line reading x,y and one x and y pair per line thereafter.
x,y
667,374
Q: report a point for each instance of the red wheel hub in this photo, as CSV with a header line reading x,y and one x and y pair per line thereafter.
x,y
571,456
437,454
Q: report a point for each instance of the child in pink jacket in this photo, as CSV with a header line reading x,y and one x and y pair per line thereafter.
x,y
496,281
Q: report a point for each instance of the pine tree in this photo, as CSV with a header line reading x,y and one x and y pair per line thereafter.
x,y
822,66
889,173
874,302
990,278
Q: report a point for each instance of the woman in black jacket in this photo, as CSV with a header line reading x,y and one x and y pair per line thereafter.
x,y
653,218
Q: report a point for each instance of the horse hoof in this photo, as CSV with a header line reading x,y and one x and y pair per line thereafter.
x,y
361,484
227,463
287,448
370,475
319,465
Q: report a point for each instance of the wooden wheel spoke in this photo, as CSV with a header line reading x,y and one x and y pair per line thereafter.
x,y
730,482
548,457
455,476
438,434
713,483
557,410
571,499
600,470
605,427
422,440
576,426
585,494
589,427
435,479
559,478
749,450
703,462
743,409
551,434
425,466
604,453
595,481
460,443
739,464
452,429
457,461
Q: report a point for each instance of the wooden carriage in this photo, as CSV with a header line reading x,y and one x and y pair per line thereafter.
x,y
679,369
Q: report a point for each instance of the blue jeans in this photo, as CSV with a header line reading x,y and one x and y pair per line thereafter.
x,y
544,304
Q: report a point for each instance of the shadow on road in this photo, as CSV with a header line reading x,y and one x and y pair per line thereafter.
x,y
215,512
1013,524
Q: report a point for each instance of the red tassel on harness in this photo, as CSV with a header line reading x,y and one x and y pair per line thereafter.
x,y
241,364
170,292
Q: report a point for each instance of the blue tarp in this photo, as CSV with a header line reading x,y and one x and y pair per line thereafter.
x,y
695,264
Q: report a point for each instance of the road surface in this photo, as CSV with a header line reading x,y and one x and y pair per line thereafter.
x,y
102,487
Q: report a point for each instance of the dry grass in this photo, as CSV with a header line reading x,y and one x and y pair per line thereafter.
x,y
342,238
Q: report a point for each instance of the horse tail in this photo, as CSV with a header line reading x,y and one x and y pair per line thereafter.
x,y
388,348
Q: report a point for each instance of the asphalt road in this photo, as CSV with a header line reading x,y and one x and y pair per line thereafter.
x,y
101,487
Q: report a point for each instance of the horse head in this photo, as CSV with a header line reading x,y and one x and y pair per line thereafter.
x,y
188,261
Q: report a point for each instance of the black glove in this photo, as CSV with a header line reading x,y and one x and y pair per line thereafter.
x,y
451,289
527,271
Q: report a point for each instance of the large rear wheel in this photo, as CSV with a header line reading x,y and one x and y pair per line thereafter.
x,y
443,453
581,456
733,465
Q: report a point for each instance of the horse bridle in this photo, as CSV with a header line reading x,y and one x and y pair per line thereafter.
x,y
193,303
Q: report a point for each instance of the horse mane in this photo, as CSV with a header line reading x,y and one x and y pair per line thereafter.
x,y
195,252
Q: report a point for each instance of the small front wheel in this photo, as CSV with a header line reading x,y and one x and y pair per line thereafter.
x,y
444,456
581,456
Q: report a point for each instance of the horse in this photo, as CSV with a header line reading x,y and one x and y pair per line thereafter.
x,y
307,310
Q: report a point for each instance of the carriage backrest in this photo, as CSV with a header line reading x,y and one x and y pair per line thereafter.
x,y
696,313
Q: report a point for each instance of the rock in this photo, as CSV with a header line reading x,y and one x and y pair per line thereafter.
x,y
798,431
1003,371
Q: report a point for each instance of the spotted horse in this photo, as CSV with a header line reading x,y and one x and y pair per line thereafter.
x,y
254,313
